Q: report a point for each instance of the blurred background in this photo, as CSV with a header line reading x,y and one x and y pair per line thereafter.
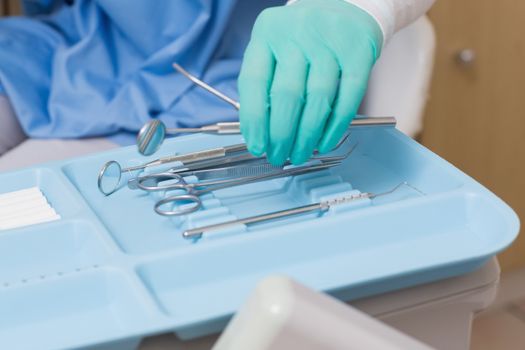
x,y
475,118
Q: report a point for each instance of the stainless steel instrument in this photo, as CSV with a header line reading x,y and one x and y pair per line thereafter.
x,y
319,206
191,192
110,175
236,166
152,134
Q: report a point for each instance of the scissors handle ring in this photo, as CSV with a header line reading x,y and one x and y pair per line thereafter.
x,y
178,199
143,182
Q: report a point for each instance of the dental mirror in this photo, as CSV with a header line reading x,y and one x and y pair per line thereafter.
x,y
150,137
109,177
153,133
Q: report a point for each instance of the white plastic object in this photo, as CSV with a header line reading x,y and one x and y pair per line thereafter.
x,y
283,314
400,81
25,207
439,313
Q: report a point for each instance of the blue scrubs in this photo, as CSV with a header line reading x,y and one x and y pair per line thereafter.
x,y
103,67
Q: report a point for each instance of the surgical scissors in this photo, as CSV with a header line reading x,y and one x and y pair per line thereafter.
x,y
193,191
110,175
111,172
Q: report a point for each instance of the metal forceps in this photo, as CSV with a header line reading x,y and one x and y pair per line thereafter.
x,y
240,167
151,182
238,164
193,191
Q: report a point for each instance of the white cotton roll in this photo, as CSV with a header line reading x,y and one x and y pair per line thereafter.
x,y
25,207
27,213
8,201
37,218
20,193
38,202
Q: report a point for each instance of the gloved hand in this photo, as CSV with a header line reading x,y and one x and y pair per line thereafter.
x,y
303,77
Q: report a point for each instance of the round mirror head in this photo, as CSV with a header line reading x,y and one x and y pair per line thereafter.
x,y
150,137
109,177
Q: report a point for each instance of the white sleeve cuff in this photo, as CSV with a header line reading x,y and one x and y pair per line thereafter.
x,y
391,15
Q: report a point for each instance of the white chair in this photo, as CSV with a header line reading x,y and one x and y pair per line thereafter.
x,y
400,82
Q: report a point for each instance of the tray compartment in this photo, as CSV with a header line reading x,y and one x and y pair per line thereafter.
x,y
161,233
38,252
410,237
372,167
66,312
142,231
384,158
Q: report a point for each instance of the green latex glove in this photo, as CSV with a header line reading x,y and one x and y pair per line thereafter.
x,y
303,77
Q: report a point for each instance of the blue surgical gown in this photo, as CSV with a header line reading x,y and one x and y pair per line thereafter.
x,y
103,67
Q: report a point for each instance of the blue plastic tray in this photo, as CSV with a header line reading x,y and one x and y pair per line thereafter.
x,y
112,271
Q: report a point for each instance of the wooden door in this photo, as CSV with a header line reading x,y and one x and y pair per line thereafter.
x,y
476,114
9,7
